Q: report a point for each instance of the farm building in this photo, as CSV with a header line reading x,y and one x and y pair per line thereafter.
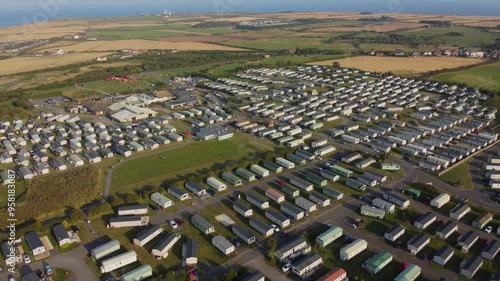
x,y
257,200
302,184
277,217
459,211
261,226
220,242
133,210
260,171
128,221
384,205
255,276
178,193
491,250
291,191
349,251
275,195
471,266
105,249
425,220
118,261
315,179
341,171
319,199
161,249
305,204
481,221
336,274
190,252
61,234
337,195
202,224
242,209
243,234
245,174
139,273
443,255
393,233
216,184
403,203
418,242
34,243
440,200
306,266
231,178
195,188
161,200
329,175
147,235
295,212
285,163
291,249
445,230
373,212
272,166
376,263
467,240
410,273
330,235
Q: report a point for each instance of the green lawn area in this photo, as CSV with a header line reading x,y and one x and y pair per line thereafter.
x,y
277,43
459,173
484,76
473,37
152,170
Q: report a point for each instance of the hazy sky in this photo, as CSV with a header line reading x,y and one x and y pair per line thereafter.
x,y
18,11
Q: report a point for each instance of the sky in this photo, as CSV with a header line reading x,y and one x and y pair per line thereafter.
x,y
18,12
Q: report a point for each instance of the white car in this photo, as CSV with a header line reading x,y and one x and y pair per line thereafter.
x,y
26,259
286,267
275,227
488,229
173,224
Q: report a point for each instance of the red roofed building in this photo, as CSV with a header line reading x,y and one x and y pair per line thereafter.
x,y
336,274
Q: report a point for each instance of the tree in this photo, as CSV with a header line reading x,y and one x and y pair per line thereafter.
x,y
336,65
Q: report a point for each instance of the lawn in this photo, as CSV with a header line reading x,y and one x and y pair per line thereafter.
x,y
152,170
484,76
459,173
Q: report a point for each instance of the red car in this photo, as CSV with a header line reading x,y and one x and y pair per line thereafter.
x,y
282,183
180,222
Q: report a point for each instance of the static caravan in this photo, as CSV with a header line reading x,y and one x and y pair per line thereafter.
x,y
295,212
105,249
261,226
292,249
425,220
403,203
440,200
411,273
302,184
305,204
178,193
220,242
147,235
384,205
118,261
161,249
319,199
285,163
443,255
417,243
459,211
315,179
275,195
445,230
161,200
245,174
393,233
351,250
195,188
257,200
128,221
243,233
242,209
216,184
231,178
471,266
330,235
295,159
329,175
133,210
277,217
202,224
337,195
272,166
260,171
341,171
291,191
372,212
307,265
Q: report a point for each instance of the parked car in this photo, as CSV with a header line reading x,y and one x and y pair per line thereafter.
x,y
173,224
275,227
179,221
489,229
286,267
26,259
236,242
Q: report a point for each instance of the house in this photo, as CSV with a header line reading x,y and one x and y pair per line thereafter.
x,y
425,220
336,274
202,224
261,226
445,230
467,240
34,243
376,263
410,273
220,242
243,234
481,221
242,209
443,255
440,200
190,252
161,200
418,242
491,250
141,209
119,261
459,211
195,188
161,249
178,193
330,235
306,266
469,267
147,235
351,250
393,233
105,249
61,234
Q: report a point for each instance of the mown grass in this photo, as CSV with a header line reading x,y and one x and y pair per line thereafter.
x,y
484,76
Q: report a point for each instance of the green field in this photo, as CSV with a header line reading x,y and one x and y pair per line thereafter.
x,y
288,43
485,76
473,37
459,173
152,170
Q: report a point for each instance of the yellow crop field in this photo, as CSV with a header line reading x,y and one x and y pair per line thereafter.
x,y
26,64
138,44
411,65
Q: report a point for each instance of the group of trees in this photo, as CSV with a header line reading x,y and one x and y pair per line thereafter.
x,y
399,39
211,24
438,23
316,51
379,19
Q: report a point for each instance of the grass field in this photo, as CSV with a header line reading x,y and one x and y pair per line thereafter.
x,y
287,43
472,36
484,76
386,27
152,170
459,173
26,64
413,65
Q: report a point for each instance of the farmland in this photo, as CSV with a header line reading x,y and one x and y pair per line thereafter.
x,y
413,65
484,76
